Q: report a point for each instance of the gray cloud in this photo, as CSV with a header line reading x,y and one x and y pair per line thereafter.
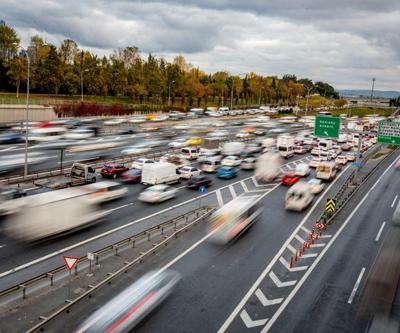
x,y
342,42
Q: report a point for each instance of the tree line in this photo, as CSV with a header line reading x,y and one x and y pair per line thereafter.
x,y
144,79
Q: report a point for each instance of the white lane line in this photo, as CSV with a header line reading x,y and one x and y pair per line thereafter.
x,y
244,186
99,139
305,230
291,249
285,246
250,323
254,182
353,292
119,207
325,236
266,190
315,263
301,240
394,200
279,283
309,255
264,300
318,245
2,245
293,269
380,232
232,190
219,198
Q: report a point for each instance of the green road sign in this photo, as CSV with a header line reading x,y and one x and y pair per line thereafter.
x,y
327,127
389,132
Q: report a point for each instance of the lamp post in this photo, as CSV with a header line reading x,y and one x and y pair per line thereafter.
x,y
233,80
308,96
372,89
169,91
84,71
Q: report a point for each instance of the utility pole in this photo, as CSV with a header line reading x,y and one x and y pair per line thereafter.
x,y
372,90
27,116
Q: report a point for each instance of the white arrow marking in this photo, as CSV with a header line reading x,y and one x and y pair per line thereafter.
x,y
293,269
264,300
279,283
250,322
326,133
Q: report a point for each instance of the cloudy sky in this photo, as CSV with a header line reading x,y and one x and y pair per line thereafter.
x,y
342,42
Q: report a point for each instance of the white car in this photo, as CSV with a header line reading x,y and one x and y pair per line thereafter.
x,y
231,161
79,133
157,193
314,163
138,164
341,159
315,185
243,135
302,170
104,191
178,143
188,172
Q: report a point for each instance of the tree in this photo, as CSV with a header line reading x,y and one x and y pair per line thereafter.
x,y
127,55
68,51
289,77
17,70
9,42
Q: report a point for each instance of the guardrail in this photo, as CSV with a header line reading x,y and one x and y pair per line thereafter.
x,y
113,275
129,242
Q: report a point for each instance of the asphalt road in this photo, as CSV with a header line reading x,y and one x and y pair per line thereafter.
x,y
214,278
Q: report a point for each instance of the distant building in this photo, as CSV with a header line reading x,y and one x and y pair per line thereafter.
x,y
2,23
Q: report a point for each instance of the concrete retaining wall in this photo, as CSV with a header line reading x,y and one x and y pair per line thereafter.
x,y
14,113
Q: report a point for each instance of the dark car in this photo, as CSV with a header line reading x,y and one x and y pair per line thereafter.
x,y
196,181
126,130
10,137
132,176
113,170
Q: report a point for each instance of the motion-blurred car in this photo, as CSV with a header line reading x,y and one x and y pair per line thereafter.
x,y
315,162
243,135
188,172
345,147
341,159
178,143
79,133
127,309
248,163
132,176
8,204
298,197
113,170
226,172
139,148
196,181
351,157
231,161
157,193
10,137
194,141
289,178
260,132
138,164
254,148
105,191
315,185
210,165
300,150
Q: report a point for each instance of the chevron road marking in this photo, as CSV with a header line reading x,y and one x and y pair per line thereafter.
x,y
250,323
219,198
305,230
318,245
279,283
244,186
265,301
291,249
254,181
325,236
293,269
300,239
309,255
232,190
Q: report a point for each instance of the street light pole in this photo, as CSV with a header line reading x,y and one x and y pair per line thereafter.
x,y
232,93
27,117
308,96
372,90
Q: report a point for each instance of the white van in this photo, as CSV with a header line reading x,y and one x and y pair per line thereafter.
x,y
210,165
325,144
326,171
298,197
160,173
190,153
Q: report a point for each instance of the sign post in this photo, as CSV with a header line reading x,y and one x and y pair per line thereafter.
x,y
70,262
327,127
90,256
202,189
389,132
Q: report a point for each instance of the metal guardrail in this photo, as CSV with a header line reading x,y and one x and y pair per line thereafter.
x,y
129,241
115,274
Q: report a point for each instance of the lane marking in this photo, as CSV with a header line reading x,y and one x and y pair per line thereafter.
x,y
232,190
279,283
250,323
2,245
265,301
394,200
285,246
119,207
318,245
291,249
380,232
309,255
8,148
325,236
353,292
254,182
293,269
219,198
305,230
315,263
244,186
300,239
